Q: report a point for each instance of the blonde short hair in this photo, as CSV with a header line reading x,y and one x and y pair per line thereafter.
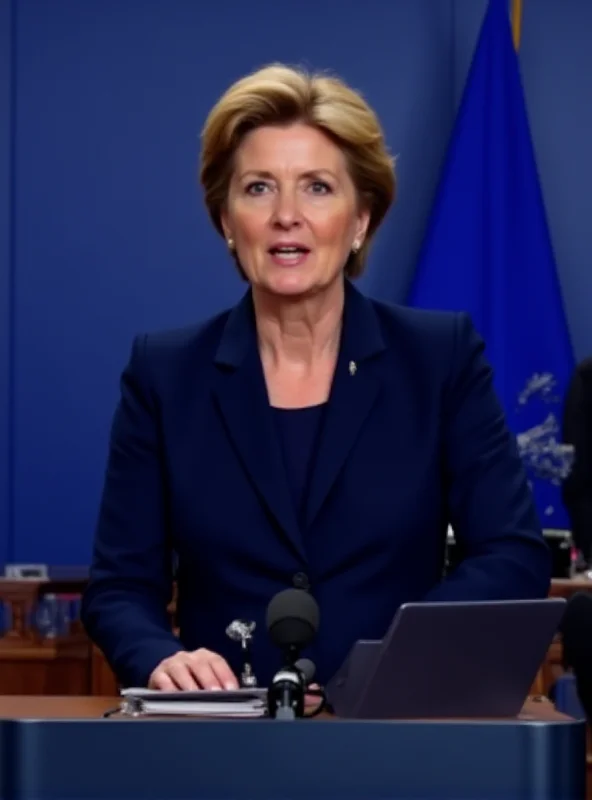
x,y
281,95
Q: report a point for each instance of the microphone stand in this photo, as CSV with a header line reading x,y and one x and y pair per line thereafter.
x,y
285,696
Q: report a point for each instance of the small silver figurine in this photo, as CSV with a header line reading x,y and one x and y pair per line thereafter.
x,y
241,630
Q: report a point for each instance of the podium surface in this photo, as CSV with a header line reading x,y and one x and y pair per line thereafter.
x,y
62,749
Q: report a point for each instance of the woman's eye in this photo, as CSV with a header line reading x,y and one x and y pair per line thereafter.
x,y
257,187
320,187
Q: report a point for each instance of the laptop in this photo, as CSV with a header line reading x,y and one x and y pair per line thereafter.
x,y
448,660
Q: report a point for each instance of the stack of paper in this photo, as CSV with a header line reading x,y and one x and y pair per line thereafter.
x,y
202,703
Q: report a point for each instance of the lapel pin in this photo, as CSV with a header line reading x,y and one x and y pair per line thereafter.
x,y
353,367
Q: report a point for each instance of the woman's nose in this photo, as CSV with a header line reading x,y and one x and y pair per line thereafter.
x,y
286,212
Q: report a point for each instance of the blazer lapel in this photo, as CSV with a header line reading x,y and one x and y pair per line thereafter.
x,y
242,398
353,393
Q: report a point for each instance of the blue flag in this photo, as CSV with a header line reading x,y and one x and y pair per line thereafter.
x,y
487,250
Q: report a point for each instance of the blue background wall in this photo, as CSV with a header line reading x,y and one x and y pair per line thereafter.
x,y
6,265
102,229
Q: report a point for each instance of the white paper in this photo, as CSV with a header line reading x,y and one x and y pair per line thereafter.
x,y
235,703
205,709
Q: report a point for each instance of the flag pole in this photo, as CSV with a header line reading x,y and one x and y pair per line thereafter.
x,y
516,22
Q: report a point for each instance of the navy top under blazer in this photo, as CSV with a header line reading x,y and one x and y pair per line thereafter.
x,y
410,440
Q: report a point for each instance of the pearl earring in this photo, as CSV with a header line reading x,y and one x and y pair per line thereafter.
x,y
355,247
230,244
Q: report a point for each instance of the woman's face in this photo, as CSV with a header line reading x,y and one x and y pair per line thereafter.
x,y
292,210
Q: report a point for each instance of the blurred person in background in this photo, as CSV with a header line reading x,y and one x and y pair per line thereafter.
x,y
577,487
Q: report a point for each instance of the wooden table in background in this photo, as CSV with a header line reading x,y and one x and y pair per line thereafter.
x,y
67,664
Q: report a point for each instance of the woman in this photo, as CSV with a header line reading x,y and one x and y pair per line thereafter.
x,y
308,437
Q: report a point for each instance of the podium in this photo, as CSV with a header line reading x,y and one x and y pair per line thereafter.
x,y
539,756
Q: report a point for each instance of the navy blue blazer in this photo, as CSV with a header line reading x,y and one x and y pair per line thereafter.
x,y
411,442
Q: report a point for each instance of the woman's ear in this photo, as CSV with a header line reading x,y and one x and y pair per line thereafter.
x,y
362,225
225,225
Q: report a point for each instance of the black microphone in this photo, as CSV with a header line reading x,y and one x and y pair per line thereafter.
x,y
576,631
292,621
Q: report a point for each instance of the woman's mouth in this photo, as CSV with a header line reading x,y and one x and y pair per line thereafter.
x,y
289,255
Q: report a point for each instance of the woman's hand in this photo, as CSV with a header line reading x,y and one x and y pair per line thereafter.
x,y
312,701
200,669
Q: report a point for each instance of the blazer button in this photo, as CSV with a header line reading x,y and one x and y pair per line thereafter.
x,y
300,581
